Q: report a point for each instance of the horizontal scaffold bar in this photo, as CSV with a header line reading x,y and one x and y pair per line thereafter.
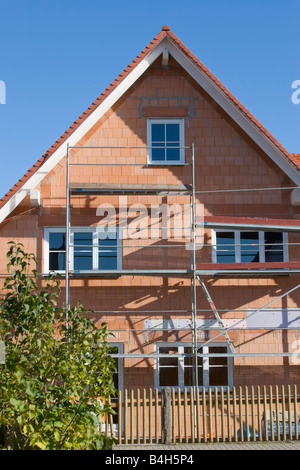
x,y
249,269
249,223
157,356
132,272
119,188
247,272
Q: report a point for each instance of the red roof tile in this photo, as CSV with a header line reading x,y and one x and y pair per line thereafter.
x,y
294,158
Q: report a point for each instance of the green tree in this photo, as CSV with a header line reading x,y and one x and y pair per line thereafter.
x,y
57,374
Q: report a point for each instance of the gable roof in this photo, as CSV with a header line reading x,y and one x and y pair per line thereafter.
x,y
165,40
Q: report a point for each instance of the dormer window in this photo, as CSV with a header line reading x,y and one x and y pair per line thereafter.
x,y
165,141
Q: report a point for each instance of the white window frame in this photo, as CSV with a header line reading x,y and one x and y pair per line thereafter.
x,y
205,349
181,160
237,245
95,232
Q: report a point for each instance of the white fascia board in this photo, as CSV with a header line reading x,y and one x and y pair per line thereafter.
x,y
83,128
235,113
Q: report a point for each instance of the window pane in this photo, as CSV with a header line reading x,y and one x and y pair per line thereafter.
x,y
57,248
158,133
273,247
188,360
173,155
83,250
159,153
57,261
108,244
217,360
218,370
188,376
108,253
168,376
168,367
189,364
225,247
172,133
57,241
168,361
108,263
218,376
249,254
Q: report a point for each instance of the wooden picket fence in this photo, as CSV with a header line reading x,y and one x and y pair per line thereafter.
x,y
234,414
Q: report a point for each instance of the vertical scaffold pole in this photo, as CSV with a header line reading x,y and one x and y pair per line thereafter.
x,y
193,268
67,241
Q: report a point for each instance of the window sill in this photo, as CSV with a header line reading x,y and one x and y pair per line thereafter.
x,y
166,163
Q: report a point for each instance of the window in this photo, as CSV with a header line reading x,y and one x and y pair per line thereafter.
x,y
90,249
165,139
249,247
173,371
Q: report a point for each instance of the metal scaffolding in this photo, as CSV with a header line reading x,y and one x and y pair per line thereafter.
x,y
194,272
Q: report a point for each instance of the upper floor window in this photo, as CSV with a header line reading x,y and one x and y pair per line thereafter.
x,y
90,249
249,247
165,141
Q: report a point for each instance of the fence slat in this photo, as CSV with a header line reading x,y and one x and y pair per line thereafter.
x,y
247,414
265,413
234,414
156,416
138,406
296,412
204,414
228,414
253,414
290,413
173,415
144,416
271,412
283,411
198,415
259,414
179,415
277,412
241,414
216,414
210,414
222,415
125,415
192,414
185,415
150,416
132,417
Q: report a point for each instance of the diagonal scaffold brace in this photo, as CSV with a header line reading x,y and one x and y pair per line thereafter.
x,y
216,313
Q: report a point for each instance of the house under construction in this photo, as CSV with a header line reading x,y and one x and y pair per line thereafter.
x,y
174,215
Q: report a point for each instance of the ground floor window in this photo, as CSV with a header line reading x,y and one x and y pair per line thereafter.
x,y
174,371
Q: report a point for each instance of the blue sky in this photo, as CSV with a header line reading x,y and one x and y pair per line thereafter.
x,y
57,56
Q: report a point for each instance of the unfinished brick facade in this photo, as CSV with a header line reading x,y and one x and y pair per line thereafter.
x,y
226,158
